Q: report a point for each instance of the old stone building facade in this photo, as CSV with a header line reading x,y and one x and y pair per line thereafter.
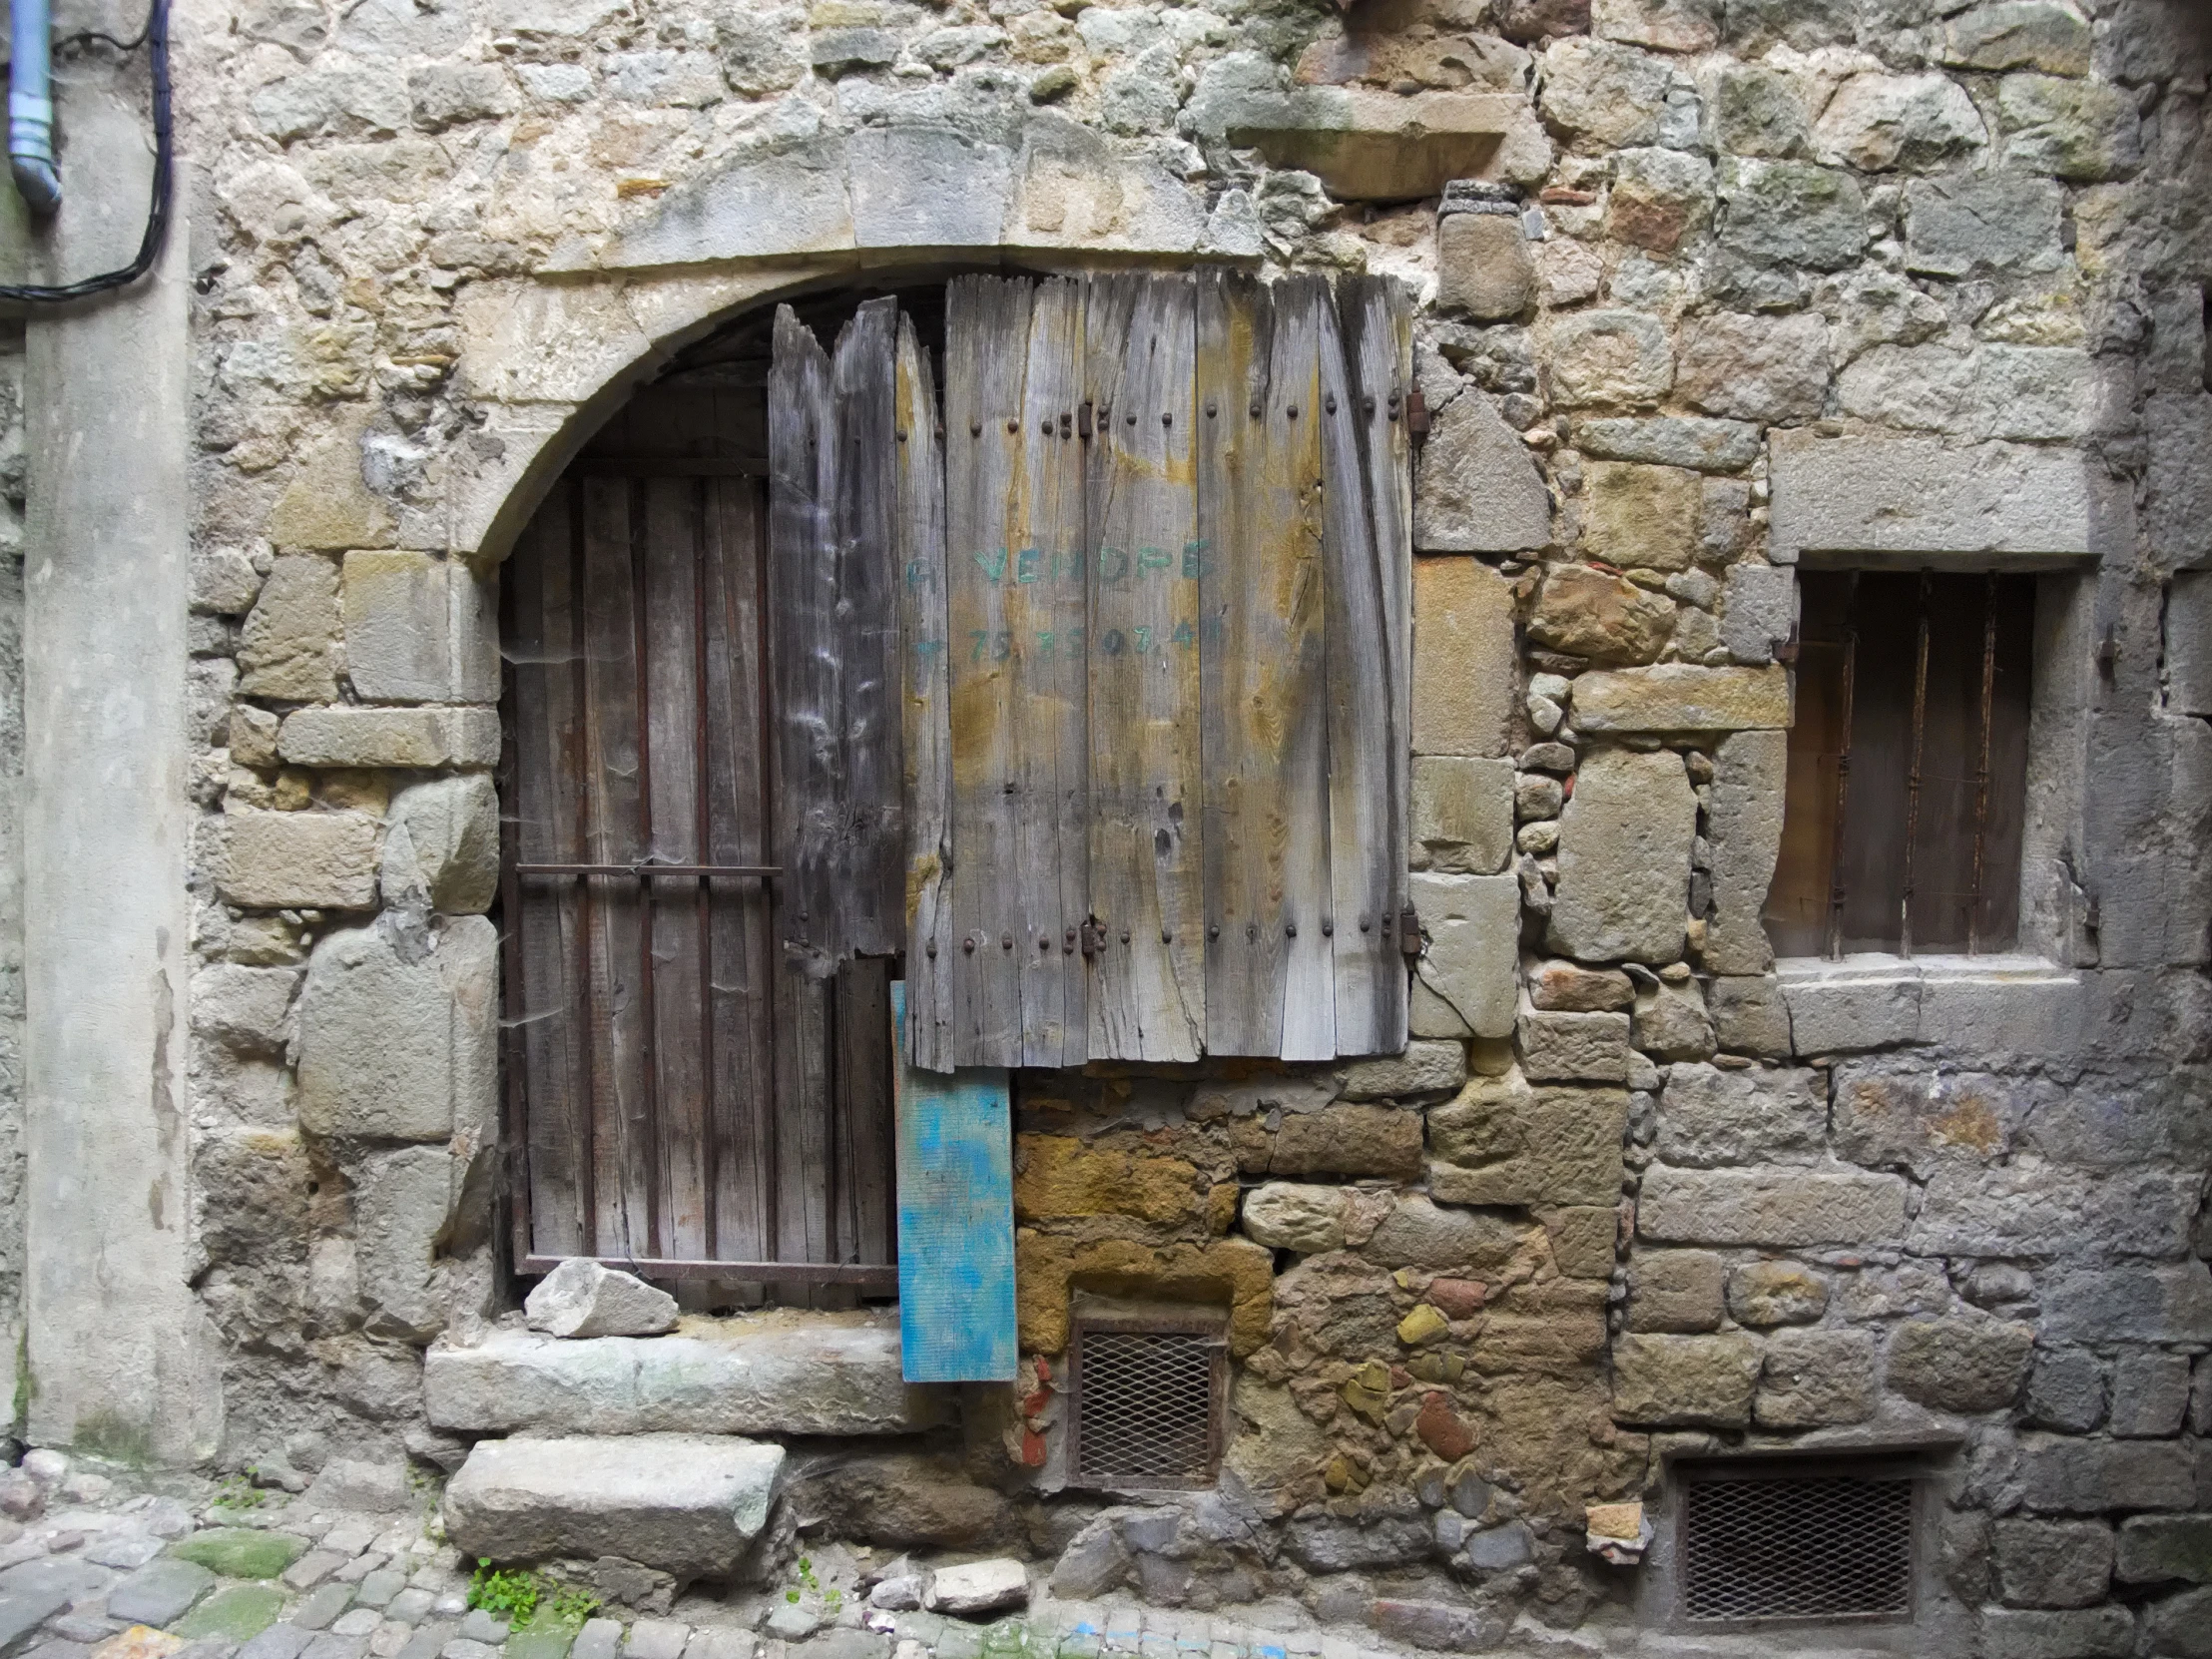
x,y
1718,303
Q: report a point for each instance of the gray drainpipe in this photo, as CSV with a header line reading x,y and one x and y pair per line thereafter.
x,y
31,107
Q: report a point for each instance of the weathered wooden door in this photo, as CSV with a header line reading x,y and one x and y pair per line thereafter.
x,y
688,1093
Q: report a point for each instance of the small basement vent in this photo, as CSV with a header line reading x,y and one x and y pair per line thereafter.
x,y
1826,1547
1146,1398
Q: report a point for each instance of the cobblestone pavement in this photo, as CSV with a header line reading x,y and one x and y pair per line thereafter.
x,y
95,1570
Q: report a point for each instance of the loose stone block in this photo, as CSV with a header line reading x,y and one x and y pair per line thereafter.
x,y
1483,267
2129,1303
1749,1016
2151,1393
414,737
1570,988
1505,1143
1959,1365
1640,516
1464,813
1815,1378
1783,1209
1284,1215
2052,1564
1600,358
2066,1392
286,647
441,845
1465,679
1600,615
1624,857
1349,1140
1758,612
1670,440
1473,923
1674,1290
1573,1048
395,1044
686,1504
1424,1068
583,1298
1762,1294
319,860
1708,1116
1679,696
1671,1022
1684,1381
2090,1633
418,629
2063,1475
2153,1549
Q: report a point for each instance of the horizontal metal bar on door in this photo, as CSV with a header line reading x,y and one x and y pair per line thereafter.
x,y
866,1276
649,870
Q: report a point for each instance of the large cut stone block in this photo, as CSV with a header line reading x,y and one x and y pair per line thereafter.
x,y
1473,928
1675,1291
1744,823
2130,1304
1465,673
1960,1365
688,1504
2060,1474
1291,1214
2189,644
1424,1068
778,1374
401,1202
1785,1208
1377,146
2000,219
1681,696
318,860
2024,1210
1483,267
1464,813
397,1042
1624,857
1503,1142
1684,1381
1710,1116
286,649
419,629
1640,516
2077,1633
1348,1140
441,845
2157,1548
1812,1378
1894,500
418,737
1573,1048
1475,490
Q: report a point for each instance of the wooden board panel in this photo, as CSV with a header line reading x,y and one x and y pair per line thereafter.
x,y
1015,605
1365,605
919,551
955,1223
872,861
1146,997
865,1124
1269,985
741,944
802,591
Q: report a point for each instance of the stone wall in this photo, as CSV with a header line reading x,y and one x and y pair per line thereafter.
x,y
1745,283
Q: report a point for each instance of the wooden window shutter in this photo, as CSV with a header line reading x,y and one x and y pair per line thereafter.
x,y
1152,579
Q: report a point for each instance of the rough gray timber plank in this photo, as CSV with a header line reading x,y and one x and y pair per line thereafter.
x,y
918,539
1269,968
1146,994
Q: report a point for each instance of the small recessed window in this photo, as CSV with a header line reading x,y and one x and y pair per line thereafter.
x,y
1908,770
1148,1394
1822,1545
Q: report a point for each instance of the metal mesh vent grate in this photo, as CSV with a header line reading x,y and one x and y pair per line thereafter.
x,y
1815,1548
1145,1410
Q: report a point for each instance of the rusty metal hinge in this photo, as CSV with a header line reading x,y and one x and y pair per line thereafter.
x,y
1409,932
1416,416
1094,936
1083,421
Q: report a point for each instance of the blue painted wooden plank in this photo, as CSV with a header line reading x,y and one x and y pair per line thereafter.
x,y
956,1220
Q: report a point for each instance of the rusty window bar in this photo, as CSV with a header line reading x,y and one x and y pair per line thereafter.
x,y
1981,768
1835,884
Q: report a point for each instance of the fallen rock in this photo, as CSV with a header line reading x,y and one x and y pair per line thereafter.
x,y
977,1588
360,1487
583,1298
688,1504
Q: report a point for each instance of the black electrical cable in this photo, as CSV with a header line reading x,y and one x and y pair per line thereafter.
x,y
155,40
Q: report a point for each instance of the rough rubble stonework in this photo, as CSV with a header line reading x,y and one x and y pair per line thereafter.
x,y
1789,281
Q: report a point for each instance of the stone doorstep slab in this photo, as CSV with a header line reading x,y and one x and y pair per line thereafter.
x,y
688,1504
823,1374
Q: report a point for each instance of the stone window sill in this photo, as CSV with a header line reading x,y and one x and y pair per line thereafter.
x,y
2012,1002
